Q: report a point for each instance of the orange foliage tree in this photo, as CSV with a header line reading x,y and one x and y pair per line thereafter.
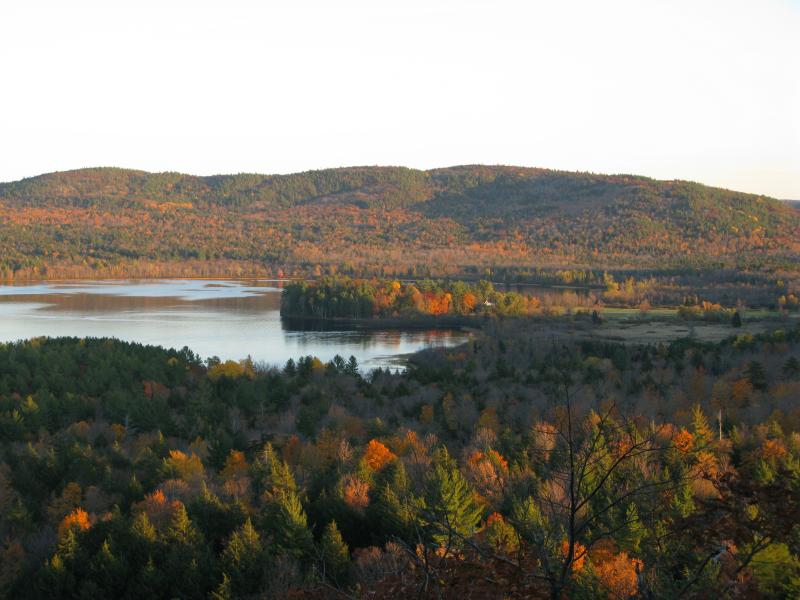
x,y
78,519
377,455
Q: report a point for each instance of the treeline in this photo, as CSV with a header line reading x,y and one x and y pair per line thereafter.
x,y
491,221
355,298
345,298
133,471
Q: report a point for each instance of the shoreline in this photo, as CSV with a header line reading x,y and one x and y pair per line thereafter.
x,y
313,323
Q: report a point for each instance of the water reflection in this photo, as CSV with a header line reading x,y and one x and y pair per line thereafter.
x,y
228,319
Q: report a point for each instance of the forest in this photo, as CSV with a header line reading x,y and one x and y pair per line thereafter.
x,y
345,298
394,302
519,465
474,222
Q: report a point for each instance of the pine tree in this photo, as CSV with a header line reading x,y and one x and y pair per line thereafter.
x,y
352,366
181,530
224,591
683,502
529,522
279,478
335,555
243,560
108,571
700,429
142,528
283,513
450,511
756,375
395,505
633,531
791,367
287,520
187,560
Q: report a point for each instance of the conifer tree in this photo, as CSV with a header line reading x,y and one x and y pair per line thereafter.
x,y
395,506
334,554
700,428
286,519
224,591
187,556
243,560
633,532
284,516
450,511
756,375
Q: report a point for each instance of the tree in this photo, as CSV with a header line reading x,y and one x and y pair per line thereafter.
x,y
77,520
736,320
449,510
756,375
791,367
597,464
243,561
283,515
352,366
334,555
702,434
377,456
187,560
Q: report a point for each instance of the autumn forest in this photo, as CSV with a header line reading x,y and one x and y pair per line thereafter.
x,y
568,449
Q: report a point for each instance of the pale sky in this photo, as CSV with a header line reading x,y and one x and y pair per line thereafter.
x,y
699,90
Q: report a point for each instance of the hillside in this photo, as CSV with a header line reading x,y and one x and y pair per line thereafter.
x,y
380,219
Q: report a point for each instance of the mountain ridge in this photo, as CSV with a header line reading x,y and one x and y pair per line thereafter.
x,y
266,177
399,220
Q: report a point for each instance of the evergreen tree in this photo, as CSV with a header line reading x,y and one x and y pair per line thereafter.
x,y
283,513
395,507
279,478
352,366
633,531
683,501
756,375
791,368
187,560
224,591
529,522
700,429
286,520
334,554
243,560
450,510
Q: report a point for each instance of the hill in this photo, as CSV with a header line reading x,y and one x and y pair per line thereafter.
x,y
467,219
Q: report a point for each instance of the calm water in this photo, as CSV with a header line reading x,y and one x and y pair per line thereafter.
x,y
228,319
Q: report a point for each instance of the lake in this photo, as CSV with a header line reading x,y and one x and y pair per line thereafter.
x,y
228,319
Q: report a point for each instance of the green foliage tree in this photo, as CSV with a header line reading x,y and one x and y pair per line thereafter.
x,y
449,510
243,561
334,555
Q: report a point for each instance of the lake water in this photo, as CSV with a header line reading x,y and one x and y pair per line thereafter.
x,y
228,319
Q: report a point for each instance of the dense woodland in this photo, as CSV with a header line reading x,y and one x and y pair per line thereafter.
x,y
500,222
519,465
388,301
530,462
345,298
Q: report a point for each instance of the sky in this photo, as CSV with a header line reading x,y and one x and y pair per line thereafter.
x,y
701,90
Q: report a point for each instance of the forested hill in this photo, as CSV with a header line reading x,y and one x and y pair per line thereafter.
x,y
395,220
